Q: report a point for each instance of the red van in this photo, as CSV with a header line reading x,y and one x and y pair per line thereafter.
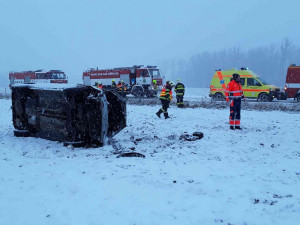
x,y
292,84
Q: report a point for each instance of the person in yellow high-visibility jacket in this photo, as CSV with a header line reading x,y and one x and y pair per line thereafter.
x,y
165,98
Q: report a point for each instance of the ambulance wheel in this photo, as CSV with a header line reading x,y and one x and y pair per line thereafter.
x,y
263,97
218,97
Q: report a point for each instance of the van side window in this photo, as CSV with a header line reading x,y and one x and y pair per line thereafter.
x,y
242,81
256,83
252,82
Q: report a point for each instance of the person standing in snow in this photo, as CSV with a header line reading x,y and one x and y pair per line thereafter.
x,y
165,98
179,89
234,93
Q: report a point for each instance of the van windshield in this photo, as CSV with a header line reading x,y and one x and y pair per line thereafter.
x,y
263,81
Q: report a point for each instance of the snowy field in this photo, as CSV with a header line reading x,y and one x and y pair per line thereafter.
x,y
228,177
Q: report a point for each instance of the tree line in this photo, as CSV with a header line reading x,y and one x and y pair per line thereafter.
x,y
270,62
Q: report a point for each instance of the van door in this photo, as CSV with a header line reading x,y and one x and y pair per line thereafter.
x,y
253,88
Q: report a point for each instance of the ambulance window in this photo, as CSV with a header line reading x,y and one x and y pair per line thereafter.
x,y
252,82
242,81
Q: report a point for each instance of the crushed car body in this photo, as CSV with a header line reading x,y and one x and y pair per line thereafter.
x,y
76,115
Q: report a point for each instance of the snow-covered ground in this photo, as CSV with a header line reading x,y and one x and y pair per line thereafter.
x,y
228,177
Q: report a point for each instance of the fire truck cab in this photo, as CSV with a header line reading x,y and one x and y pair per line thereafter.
x,y
138,79
38,76
292,84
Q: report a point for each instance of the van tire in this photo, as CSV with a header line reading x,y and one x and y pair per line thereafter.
x,y
263,97
218,97
298,98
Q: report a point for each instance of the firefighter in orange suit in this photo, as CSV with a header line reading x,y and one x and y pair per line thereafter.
x,y
234,95
100,85
165,98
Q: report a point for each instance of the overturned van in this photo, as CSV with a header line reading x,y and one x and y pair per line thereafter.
x,y
75,115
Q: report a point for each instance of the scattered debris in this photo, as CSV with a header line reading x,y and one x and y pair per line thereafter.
x,y
198,134
131,154
282,196
269,202
194,137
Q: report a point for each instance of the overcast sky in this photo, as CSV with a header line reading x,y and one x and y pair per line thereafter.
x,y
76,35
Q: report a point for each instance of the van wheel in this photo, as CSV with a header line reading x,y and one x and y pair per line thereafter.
x,y
298,98
263,97
218,97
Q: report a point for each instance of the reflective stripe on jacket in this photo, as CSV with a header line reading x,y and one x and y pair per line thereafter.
x,y
179,89
119,86
165,93
234,90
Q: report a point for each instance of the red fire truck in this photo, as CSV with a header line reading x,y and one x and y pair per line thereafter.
x,y
292,86
38,76
139,79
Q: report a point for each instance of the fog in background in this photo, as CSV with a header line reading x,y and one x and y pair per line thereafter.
x,y
187,39
270,62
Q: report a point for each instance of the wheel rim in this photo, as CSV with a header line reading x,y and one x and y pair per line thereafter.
x,y
218,97
264,98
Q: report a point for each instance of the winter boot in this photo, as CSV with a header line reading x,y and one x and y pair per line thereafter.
x,y
238,128
159,112
231,127
166,116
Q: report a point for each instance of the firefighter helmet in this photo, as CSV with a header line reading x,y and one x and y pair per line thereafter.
x,y
154,81
172,83
113,80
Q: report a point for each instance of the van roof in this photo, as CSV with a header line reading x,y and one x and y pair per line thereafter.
x,y
240,72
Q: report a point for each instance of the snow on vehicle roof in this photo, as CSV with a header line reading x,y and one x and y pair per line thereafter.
x,y
49,86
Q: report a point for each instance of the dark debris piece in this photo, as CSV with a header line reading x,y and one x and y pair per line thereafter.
x,y
194,137
131,154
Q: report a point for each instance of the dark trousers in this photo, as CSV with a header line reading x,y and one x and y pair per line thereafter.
x,y
235,112
165,105
179,101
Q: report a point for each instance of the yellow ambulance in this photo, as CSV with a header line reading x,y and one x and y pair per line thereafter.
x,y
253,85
